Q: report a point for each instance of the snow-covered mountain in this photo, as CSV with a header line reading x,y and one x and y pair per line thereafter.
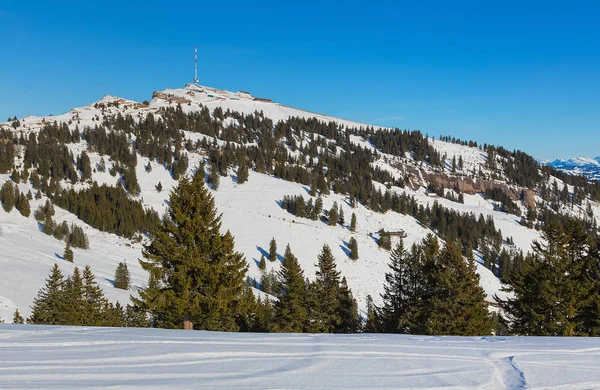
x,y
252,211
589,167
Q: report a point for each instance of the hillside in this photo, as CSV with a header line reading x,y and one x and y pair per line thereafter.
x,y
395,180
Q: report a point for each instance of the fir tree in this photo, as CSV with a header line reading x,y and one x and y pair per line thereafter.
x,y
48,305
18,318
290,309
262,265
159,187
95,305
333,215
74,297
353,223
68,253
348,311
397,292
122,277
242,175
200,276
273,250
327,289
457,304
214,178
353,247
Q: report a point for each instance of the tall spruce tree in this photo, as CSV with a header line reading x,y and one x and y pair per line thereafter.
x,y
353,223
554,290
290,309
48,305
95,306
353,247
397,292
348,311
200,278
457,305
122,277
327,290
273,250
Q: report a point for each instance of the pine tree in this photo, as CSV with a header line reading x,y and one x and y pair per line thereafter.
x,y
457,304
554,288
353,223
73,298
353,247
95,306
159,187
341,219
7,196
201,278
262,265
333,215
327,289
290,309
48,306
348,311
18,318
122,277
242,175
68,254
214,178
397,292
23,206
273,250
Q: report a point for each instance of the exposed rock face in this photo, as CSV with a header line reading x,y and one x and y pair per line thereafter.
x,y
170,98
467,185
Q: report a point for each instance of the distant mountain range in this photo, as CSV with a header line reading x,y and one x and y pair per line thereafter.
x,y
586,166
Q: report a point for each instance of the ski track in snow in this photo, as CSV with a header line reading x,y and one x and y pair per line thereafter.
x,y
33,357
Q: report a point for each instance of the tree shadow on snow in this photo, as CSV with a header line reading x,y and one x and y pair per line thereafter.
x,y
111,281
58,256
307,189
345,248
279,203
234,178
262,252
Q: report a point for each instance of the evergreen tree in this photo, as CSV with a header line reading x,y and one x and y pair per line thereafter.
x,y
214,178
200,276
68,254
457,304
273,250
333,215
353,223
159,187
242,175
353,247
18,318
397,295
385,240
23,205
327,289
348,311
262,265
341,219
96,307
290,309
48,306
7,196
122,277
554,289
74,299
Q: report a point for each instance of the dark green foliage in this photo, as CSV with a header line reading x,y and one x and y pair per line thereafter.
x,y
78,238
556,289
353,223
262,265
7,196
44,211
122,277
432,291
290,309
296,205
214,178
385,240
108,209
159,187
198,277
18,318
85,166
23,205
333,215
273,250
242,174
75,301
68,253
327,294
353,247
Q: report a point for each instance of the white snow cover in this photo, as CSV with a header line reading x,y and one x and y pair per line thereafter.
x,y
35,357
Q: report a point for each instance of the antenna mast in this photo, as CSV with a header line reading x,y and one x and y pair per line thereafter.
x,y
195,65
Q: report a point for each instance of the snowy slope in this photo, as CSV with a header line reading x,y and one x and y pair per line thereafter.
x,y
27,254
36,357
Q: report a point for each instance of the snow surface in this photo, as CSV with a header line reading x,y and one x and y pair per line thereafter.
x,y
35,357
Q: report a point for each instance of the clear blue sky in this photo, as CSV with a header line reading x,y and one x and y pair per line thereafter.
x,y
522,74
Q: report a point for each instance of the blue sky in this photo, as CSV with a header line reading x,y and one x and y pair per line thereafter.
x,y
524,76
